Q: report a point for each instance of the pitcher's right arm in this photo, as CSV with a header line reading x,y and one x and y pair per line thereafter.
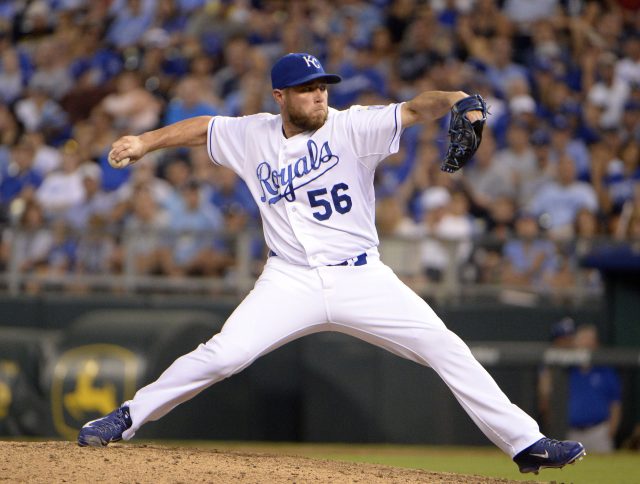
x,y
129,149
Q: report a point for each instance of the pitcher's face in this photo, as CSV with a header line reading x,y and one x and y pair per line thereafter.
x,y
305,106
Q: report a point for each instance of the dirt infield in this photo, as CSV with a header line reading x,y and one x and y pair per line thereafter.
x,y
46,462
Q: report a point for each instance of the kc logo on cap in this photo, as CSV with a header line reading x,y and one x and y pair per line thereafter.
x,y
299,68
312,61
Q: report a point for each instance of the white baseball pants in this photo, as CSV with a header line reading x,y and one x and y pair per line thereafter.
x,y
368,302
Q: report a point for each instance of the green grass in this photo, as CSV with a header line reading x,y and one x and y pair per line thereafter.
x,y
617,468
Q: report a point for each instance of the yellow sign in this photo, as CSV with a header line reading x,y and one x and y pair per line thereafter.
x,y
5,400
8,371
89,382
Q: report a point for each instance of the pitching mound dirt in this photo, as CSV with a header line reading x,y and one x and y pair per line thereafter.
x,y
46,462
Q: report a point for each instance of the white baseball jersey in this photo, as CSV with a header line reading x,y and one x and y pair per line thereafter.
x,y
315,190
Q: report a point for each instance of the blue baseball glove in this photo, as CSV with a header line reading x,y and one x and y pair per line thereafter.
x,y
464,136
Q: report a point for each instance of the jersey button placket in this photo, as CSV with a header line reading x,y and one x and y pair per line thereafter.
x,y
290,206
291,151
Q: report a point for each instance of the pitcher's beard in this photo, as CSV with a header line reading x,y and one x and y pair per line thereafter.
x,y
306,122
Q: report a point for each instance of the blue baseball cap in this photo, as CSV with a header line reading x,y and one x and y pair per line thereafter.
x,y
563,328
299,68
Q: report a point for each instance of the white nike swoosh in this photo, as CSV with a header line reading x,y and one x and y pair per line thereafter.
x,y
544,456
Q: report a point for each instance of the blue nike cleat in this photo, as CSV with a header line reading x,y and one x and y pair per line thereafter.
x,y
549,453
105,430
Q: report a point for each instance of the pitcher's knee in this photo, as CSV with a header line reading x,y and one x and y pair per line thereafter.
x,y
226,359
433,344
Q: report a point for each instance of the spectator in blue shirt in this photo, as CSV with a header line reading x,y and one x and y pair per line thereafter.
x,y
595,406
12,79
622,177
558,201
501,69
187,103
564,142
8,10
132,19
9,134
171,19
230,194
19,177
530,260
97,61
358,77
190,5
194,223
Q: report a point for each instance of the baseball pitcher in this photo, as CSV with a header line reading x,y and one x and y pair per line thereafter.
x,y
310,169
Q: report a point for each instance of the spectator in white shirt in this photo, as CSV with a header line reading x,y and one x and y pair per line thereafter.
x,y
609,92
518,158
628,68
96,204
449,228
63,188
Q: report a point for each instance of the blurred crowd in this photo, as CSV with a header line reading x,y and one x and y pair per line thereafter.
x,y
558,168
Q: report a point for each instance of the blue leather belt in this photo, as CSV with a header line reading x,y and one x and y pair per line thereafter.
x,y
359,260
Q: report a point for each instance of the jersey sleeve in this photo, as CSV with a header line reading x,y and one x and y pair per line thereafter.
x,y
226,141
374,132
